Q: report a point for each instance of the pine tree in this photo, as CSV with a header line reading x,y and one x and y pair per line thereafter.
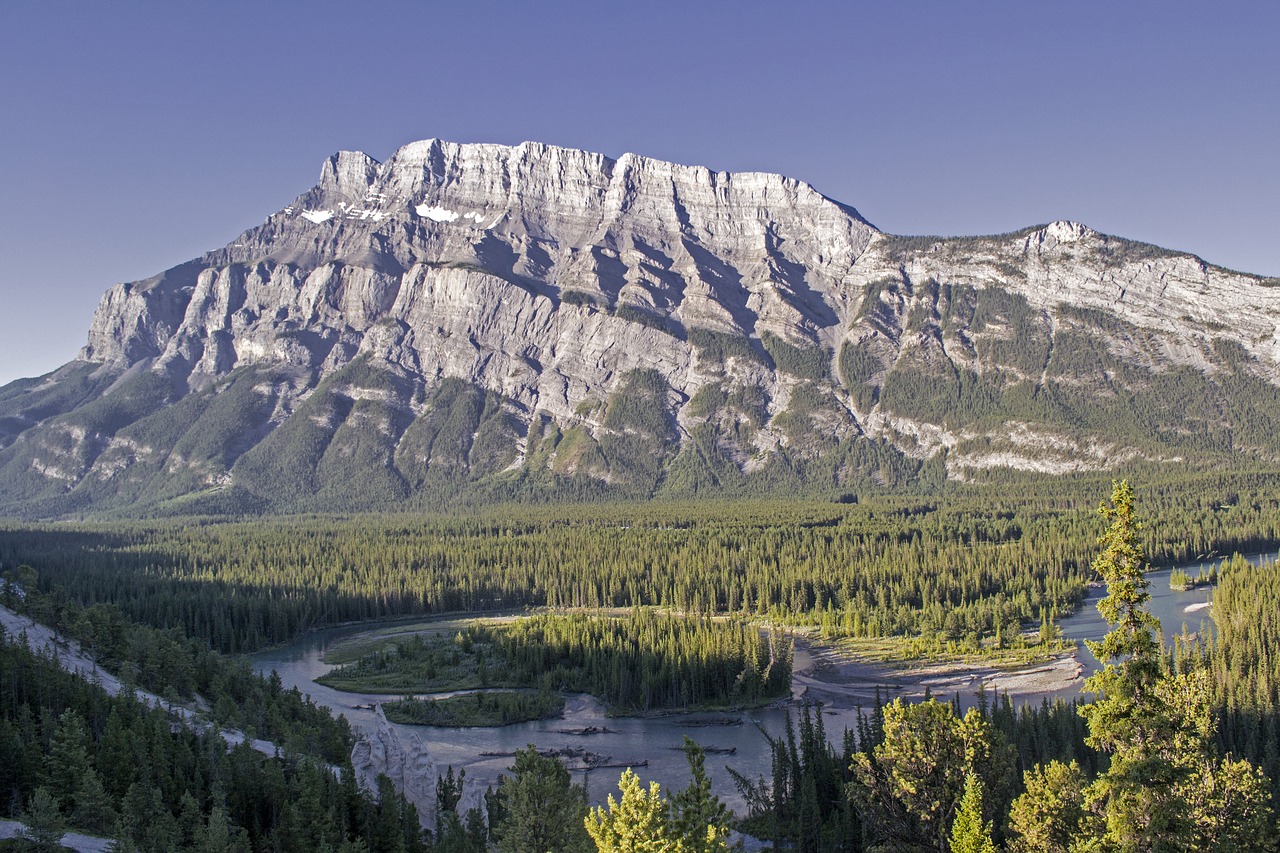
x,y
448,795
44,824
698,817
94,811
539,808
387,830
68,760
216,835
1229,809
1048,816
910,784
635,824
1128,720
1130,650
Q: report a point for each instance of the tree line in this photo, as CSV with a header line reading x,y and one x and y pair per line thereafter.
x,y
985,560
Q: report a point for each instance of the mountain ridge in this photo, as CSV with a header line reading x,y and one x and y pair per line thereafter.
x,y
539,319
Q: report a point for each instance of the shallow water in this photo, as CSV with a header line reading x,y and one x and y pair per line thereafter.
x,y
658,740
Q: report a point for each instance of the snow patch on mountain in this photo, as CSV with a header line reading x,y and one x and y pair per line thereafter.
x,y
437,214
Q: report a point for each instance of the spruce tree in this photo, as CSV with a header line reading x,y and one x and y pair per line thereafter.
x,y
448,795
698,817
1128,720
1166,786
68,760
94,810
969,834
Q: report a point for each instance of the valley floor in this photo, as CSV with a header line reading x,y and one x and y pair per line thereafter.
x,y
831,672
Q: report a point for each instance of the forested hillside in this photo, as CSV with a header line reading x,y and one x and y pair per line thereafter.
x,y
73,756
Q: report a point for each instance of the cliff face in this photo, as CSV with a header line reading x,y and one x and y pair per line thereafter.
x,y
526,270
479,317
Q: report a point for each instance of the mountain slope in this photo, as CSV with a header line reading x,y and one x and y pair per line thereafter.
x,y
530,320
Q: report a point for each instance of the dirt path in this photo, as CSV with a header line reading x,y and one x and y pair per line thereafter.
x,y
72,840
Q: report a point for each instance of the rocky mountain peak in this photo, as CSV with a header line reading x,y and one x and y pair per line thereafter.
x,y
676,243
349,172
546,191
471,313
1066,231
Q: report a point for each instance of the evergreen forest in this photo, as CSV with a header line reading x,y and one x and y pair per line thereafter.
x,y
964,565
72,756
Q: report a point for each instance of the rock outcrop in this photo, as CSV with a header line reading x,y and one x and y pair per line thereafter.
x,y
491,318
408,764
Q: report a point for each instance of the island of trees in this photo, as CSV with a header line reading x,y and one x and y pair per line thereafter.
x,y
640,662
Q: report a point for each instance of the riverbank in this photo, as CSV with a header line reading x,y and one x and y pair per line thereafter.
x,y
843,680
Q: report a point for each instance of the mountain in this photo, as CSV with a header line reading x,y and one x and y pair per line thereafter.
x,y
478,322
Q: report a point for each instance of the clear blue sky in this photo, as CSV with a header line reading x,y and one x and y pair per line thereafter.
x,y
134,135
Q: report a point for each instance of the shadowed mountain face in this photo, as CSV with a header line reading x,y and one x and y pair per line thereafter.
x,y
489,322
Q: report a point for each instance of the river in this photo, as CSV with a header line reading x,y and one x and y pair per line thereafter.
x,y
657,740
